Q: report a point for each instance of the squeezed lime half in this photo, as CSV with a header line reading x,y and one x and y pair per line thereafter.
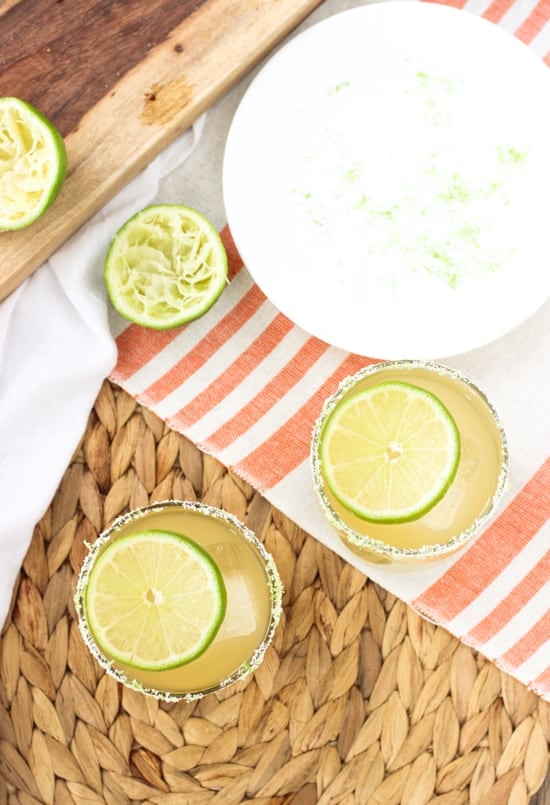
x,y
166,266
33,163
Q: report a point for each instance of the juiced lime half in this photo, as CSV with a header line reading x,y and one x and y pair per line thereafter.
x,y
390,452
154,600
166,266
33,163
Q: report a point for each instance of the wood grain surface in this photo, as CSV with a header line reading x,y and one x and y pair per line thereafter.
x,y
121,80
71,60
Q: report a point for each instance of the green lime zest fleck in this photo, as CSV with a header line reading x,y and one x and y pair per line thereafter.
x,y
352,174
470,233
457,190
507,153
338,87
360,203
447,85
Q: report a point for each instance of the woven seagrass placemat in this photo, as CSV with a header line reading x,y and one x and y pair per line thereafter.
x,y
359,700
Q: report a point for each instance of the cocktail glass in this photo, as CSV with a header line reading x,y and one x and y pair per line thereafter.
x,y
254,596
471,498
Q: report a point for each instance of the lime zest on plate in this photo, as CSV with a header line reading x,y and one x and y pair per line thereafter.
x,y
166,266
33,163
390,452
154,600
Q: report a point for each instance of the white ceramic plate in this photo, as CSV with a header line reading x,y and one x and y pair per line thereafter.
x,y
386,180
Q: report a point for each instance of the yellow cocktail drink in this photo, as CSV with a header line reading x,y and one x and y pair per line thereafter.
x,y
252,588
473,491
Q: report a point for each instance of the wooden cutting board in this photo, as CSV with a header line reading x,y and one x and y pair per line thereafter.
x,y
121,79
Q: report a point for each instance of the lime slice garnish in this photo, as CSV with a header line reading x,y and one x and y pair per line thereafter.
x,y
33,163
390,452
154,600
166,266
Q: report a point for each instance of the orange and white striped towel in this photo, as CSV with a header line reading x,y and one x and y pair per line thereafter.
x,y
246,385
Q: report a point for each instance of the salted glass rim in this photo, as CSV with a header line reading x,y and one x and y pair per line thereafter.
x,y
274,585
376,546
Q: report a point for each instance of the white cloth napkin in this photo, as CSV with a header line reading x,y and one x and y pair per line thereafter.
x,y
56,349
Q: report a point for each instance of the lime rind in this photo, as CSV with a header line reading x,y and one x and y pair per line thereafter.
x,y
424,483
165,267
33,163
113,603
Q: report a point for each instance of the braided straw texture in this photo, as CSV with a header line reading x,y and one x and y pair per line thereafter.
x,y
359,700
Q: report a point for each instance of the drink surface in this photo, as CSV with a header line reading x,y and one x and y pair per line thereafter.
x,y
250,604
478,479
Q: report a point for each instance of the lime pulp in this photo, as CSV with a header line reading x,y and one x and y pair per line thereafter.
x,y
33,163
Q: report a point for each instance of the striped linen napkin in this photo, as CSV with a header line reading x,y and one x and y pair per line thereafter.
x,y
246,385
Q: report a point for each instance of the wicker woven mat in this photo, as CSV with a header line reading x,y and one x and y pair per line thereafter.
x,y
358,701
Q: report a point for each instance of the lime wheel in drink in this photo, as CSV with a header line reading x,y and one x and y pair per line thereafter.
x,y
178,599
